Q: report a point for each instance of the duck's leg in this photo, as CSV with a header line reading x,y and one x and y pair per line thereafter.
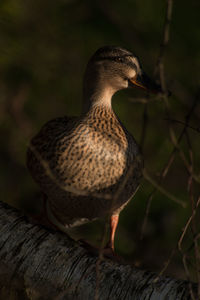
x,y
113,226
108,250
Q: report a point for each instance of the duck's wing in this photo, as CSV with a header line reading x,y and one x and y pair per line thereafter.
x,y
45,147
77,156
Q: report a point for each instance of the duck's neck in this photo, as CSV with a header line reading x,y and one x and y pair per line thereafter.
x,y
97,96
96,91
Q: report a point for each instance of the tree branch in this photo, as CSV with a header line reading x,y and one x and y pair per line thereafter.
x,y
39,264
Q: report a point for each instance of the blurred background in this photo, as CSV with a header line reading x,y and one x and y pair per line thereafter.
x,y
44,48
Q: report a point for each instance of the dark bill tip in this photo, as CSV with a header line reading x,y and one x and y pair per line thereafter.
x,y
144,82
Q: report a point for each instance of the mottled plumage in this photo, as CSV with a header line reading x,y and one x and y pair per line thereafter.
x,y
90,166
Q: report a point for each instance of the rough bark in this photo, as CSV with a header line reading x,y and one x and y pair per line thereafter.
x,y
38,264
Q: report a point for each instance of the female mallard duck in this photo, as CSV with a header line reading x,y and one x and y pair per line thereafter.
x,y
90,166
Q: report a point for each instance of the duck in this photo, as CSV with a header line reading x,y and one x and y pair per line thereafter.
x,y
90,166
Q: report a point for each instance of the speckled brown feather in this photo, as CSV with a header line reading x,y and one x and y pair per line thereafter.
x,y
92,154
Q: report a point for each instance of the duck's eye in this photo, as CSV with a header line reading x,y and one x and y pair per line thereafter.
x,y
126,78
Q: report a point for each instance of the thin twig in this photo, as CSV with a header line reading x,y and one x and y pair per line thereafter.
x,y
183,123
184,259
187,119
187,225
159,67
165,40
194,227
147,211
171,158
166,264
162,190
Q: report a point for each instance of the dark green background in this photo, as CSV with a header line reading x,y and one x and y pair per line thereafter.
x,y
44,48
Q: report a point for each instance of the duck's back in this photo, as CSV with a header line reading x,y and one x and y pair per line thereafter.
x,y
81,164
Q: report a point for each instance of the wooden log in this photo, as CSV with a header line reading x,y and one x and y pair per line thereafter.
x,y
36,263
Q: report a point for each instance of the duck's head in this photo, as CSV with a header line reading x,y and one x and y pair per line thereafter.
x,y
112,69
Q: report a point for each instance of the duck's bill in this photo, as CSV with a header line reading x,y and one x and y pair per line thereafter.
x,y
145,83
